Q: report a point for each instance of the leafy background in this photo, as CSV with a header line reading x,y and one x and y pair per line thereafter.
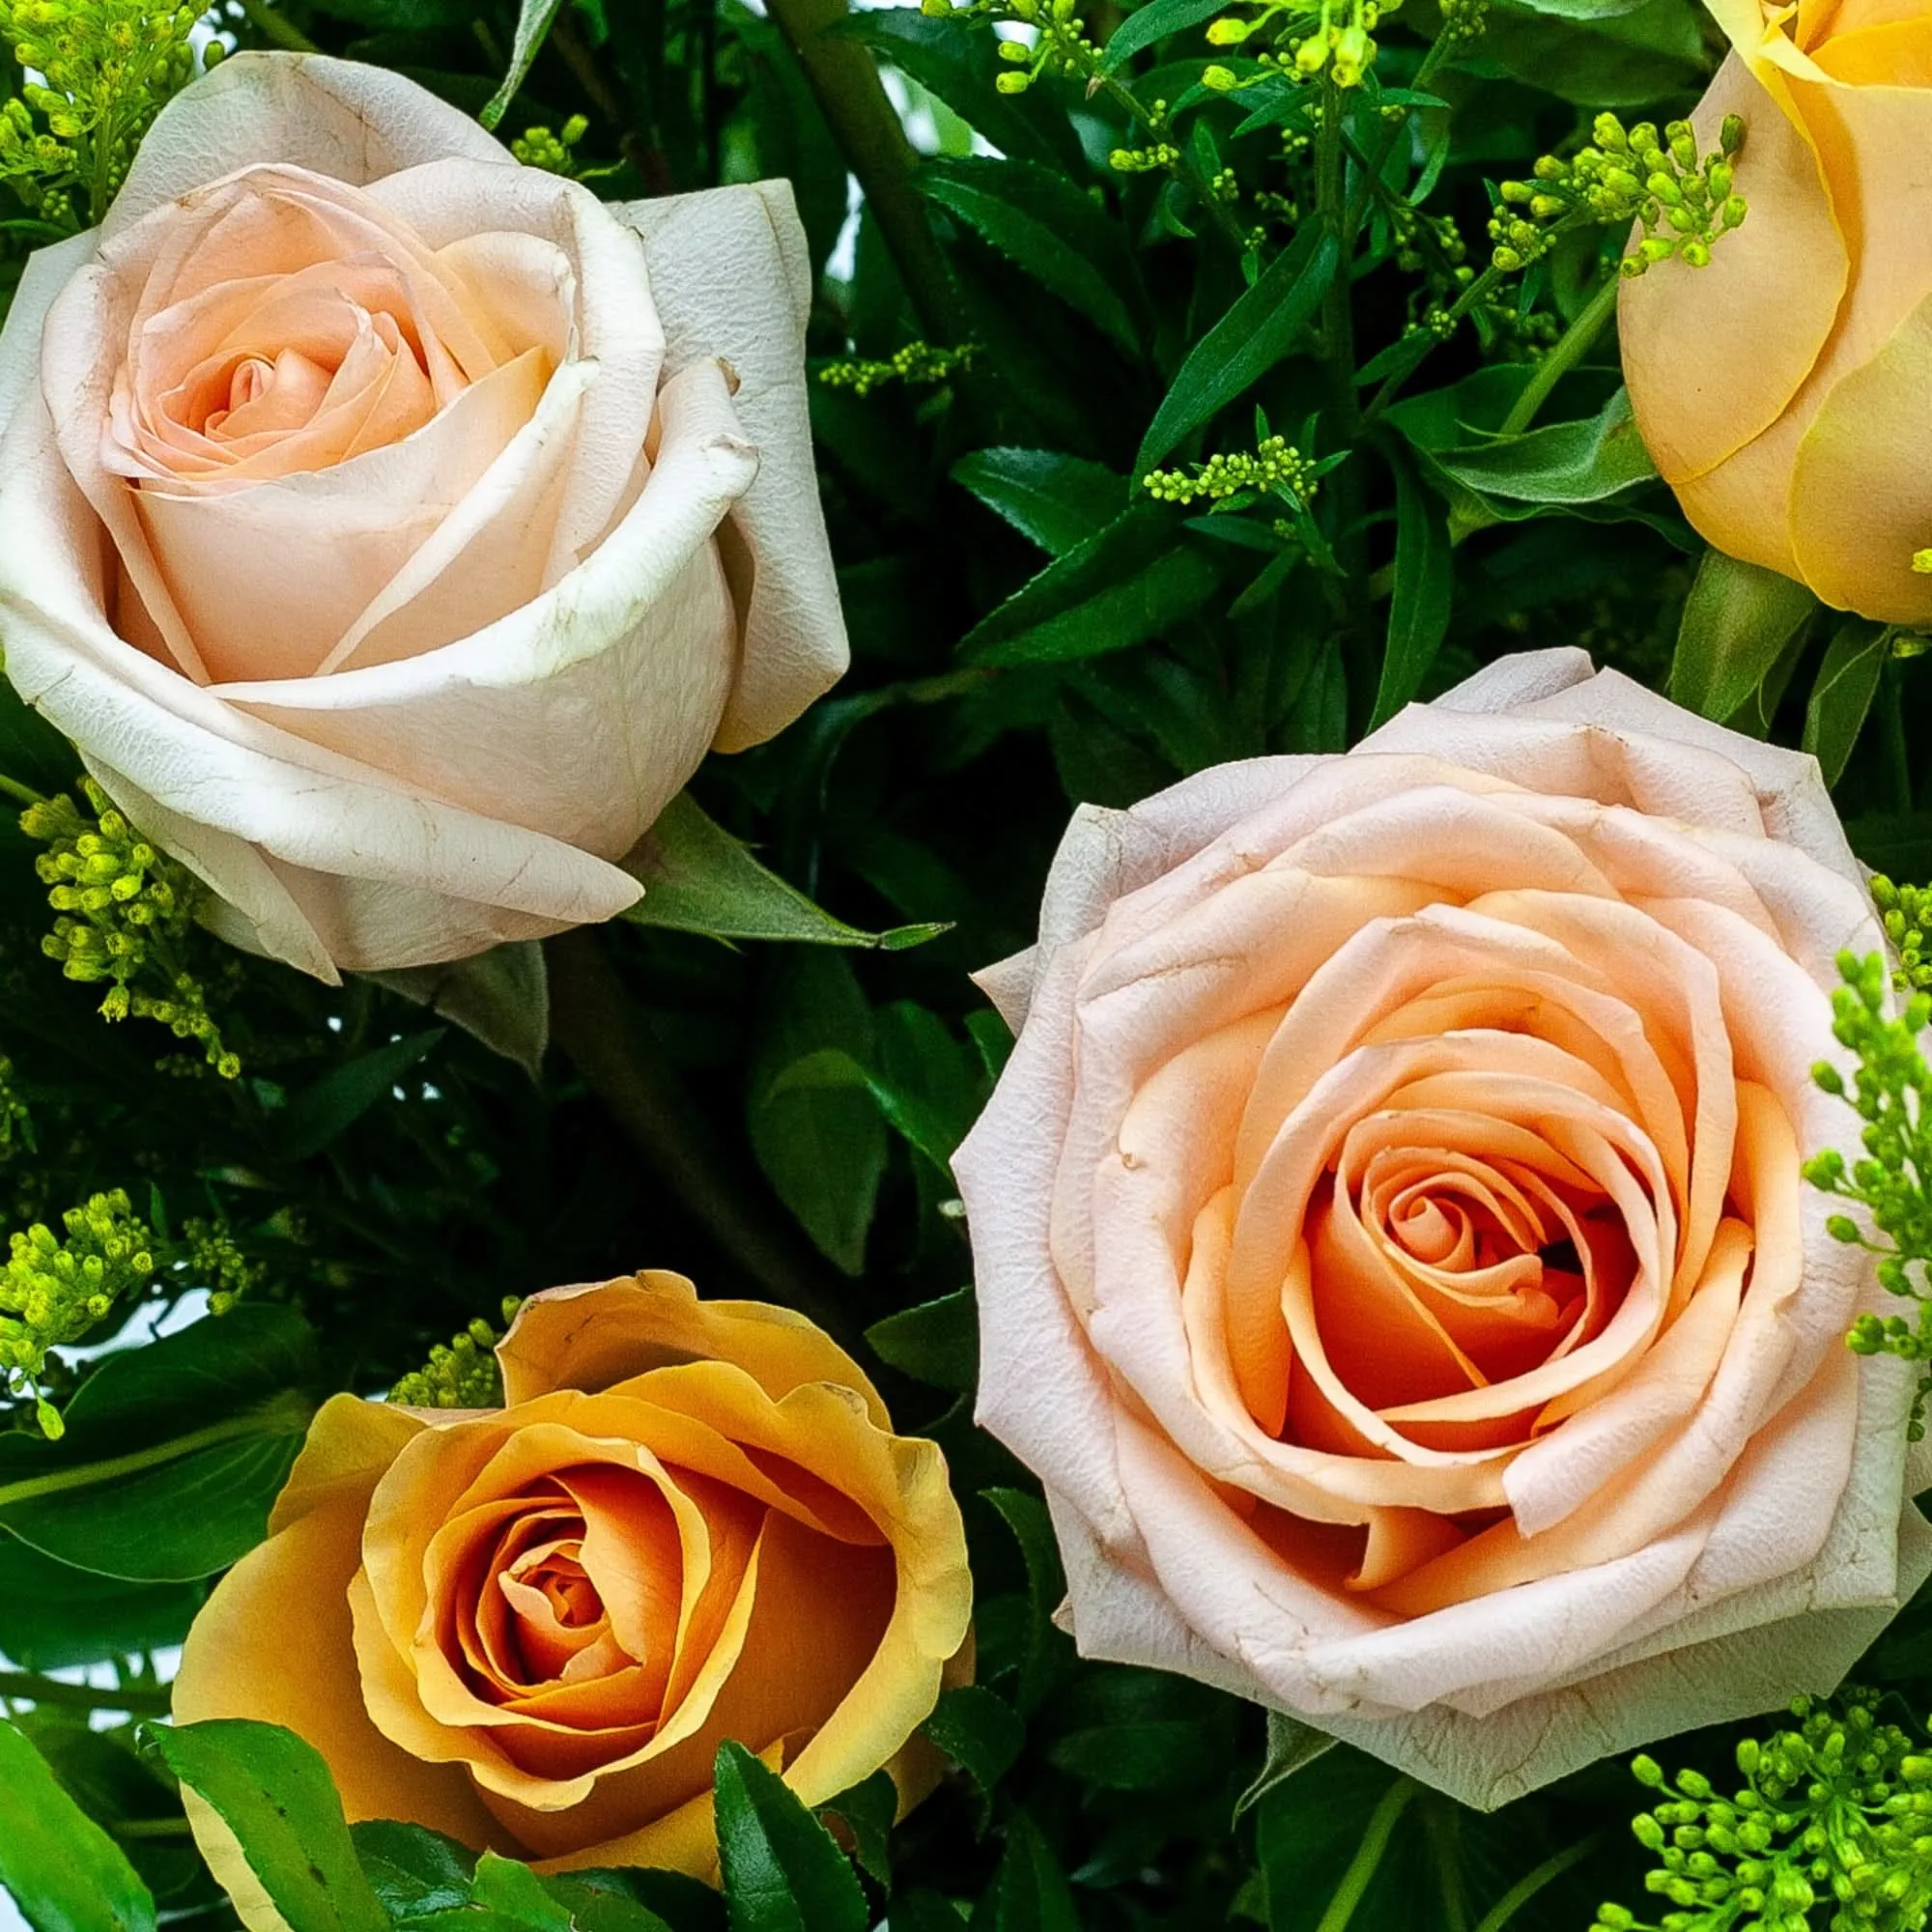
x,y
1012,331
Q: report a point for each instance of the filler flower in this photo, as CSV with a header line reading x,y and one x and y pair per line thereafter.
x,y
392,527
1392,1248
1785,389
531,1626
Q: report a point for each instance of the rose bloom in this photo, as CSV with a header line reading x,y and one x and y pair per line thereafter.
x,y
530,1628
393,527
1783,390
1391,1245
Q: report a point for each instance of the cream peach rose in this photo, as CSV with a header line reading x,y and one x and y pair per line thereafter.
x,y
531,1628
1785,390
392,527
1391,1248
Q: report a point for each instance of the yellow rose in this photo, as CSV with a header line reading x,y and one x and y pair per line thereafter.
x,y
1785,390
531,1628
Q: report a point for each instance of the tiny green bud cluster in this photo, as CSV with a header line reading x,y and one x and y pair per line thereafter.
x,y
16,1120
1684,206
464,1374
1060,44
1888,1091
124,910
917,364
53,1290
1274,467
213,1258
553,153
1836,1812
1464,21
104,69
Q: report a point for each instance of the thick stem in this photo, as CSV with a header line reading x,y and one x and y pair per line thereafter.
x,y
1562,357
1525,1889
1897,753
27,1686
609,1040
275,26
844,80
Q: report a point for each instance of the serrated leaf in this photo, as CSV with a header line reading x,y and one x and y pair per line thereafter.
x,y
1842,692
1247,342
273,1794
697,878
502,1884
868,1811
1425,583
1737,622
937,1343
1041,222
784,1872
64,1872
1129,584
1055,502
413,1871
1029,1893
1562,463
980,1732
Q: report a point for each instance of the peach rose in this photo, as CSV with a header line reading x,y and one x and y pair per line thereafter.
x,y
531,1628
1391,1247
1785,390
393,527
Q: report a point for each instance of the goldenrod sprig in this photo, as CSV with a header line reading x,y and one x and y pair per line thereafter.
x,y
1888,1091
1835,1813
461,1375
917,364
1685,206
124,910
1274,467
54,1289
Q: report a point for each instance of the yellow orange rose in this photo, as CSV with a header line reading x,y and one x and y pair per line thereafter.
x,y
1391,1245
532,1627
1785,390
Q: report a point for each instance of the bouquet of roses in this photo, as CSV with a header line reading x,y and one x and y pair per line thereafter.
x,y
951,967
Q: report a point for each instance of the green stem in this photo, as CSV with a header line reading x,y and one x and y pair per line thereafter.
x,y
276,26
27,1686
1524,1890
21,794
1368,1857
1897,753
596,1023
844,80
284,1415
1563,356
1220,218
152,1828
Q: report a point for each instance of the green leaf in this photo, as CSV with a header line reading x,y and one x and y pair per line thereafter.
x,y
413,1871
1160,1754
54,1614
600,1907
64,1872
923,1912
1291,1747
1842,694
173,1452
823,1146
1040,221
1602,59
1247,343
533,25
273,1794
502,1884
938,1342
319,1114
1737,622
697,878
1047,1648
1425,583
784,1872
1029,1893
500,997
32,753
980,1732
1562,463
954,67
1057,501
869,1811
1132,581
1145,25
1309,1830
